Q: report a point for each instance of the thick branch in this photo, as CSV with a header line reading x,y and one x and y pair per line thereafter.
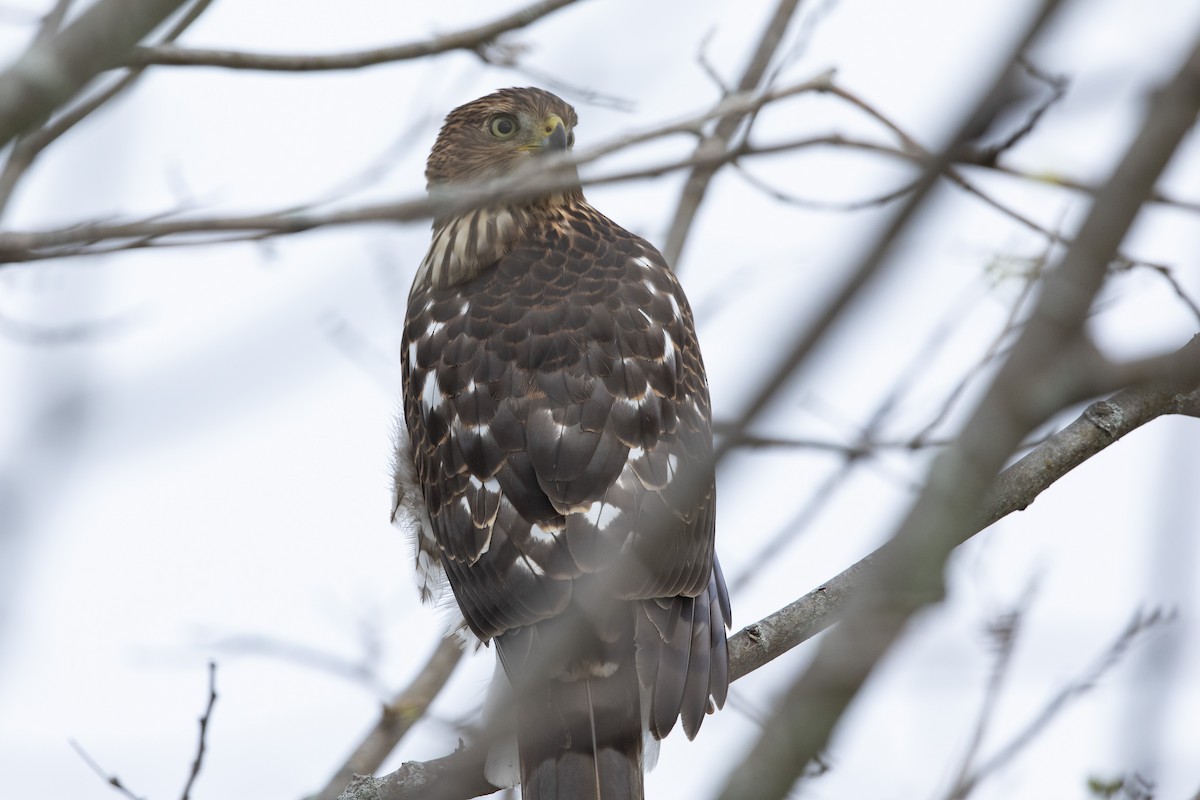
x,y
759,643
697,182
1036,380
53,70
469,39
29,146
1102,424
397,718
82,239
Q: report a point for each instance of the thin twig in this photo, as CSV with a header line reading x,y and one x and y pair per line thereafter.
x,y
1058,89
51,72
498,54
467,39
198,762
51,22
910,575
697,182
357,672
1167,275
82,239
397,718
762,642
1140,624
111,779
31,144
993,352
1003,632
822,205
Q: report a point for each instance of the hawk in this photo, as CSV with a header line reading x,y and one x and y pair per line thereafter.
x,y
558,458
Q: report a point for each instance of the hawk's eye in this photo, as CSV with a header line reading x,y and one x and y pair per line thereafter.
x,y
571,139
502,126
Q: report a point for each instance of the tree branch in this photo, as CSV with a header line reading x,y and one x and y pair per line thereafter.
x,y
759,643
1035,381
540,179
31,144
468,39
198,761
397,718
53,70
697,182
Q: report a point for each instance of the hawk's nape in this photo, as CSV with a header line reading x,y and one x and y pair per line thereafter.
x,y
560,437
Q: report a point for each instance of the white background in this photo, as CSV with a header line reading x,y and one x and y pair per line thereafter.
x,y
204,470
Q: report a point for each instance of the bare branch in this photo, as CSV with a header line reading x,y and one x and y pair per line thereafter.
x,y
1168,276
111,780
52,21
1058,88
454,777
871,263
909,574
52,71
31,144
1003,632
552,175
115,782
761,642
508,56
822,205
397,718
198,762
697,182
359,672
1140,624
468,39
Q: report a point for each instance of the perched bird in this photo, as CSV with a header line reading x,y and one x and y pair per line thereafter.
x,y
558,458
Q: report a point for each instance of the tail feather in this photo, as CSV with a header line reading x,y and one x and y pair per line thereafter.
x,y
582,740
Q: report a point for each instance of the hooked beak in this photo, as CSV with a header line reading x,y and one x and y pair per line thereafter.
x,y
554,135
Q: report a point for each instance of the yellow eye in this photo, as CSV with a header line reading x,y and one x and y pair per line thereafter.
x,y
502,126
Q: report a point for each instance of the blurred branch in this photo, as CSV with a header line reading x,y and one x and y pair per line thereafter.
x,y
362,672
397,717
115,782
1040,377
822,205
454,777
1003,632
468,39
1058,89
548,176
1169,276
162,231
55,68
1102,424
759,643
1011,322
111,780
52,21
697,182
32,143
1140,624
1065,182
198,762
508,56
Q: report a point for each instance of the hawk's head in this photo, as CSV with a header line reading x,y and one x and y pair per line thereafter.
x,y
494,135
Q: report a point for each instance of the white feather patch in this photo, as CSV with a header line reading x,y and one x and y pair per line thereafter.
x,y
602,514
431,395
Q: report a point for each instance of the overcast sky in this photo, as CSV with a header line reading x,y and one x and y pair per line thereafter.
x,y
195,442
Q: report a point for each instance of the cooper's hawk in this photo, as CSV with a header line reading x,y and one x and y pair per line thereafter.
x,y
559,425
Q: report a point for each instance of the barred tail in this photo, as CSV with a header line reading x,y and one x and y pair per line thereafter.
x,y
582,739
